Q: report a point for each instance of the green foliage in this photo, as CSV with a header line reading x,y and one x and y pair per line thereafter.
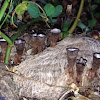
x,y
97,1
49,9
53,20
16,2
33,10
92,23
83,26
21,8
56,2
92,11
42,1
66,26
97,15
65,29
64,35
52,11
89,0
94,7
58,10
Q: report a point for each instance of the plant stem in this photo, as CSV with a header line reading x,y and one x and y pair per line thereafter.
x,y
77,18
47,24
7,54
10,44
6,38
6,3
4,20
6,15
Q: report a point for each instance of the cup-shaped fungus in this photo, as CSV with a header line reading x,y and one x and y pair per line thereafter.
x,y
80,65
3,47
96,61
71,56
53,36
41,42
92,73
70,70
34,43
20,46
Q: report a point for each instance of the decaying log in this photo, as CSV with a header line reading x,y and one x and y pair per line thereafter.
x,y
7,88
50,68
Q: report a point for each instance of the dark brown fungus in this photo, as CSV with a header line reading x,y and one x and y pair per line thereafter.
x,y
3,48
20,46
80,65
41,42
34,43
54,36
92,73
96,61
71,56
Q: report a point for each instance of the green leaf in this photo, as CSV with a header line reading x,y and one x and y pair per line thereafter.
x,y
64,35
89,0
97,15
21,9
24,0
58,10
94,6
66,26
33,10
54,20
49,9
86,29
97,1
92,23
42,1
83,27
56,2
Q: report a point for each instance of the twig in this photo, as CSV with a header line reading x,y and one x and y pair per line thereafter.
x,y
77,18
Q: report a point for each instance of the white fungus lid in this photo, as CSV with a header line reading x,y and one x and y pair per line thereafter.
x,y
73,49
41,35
18,41
55,30
2,40
34,35
97,55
